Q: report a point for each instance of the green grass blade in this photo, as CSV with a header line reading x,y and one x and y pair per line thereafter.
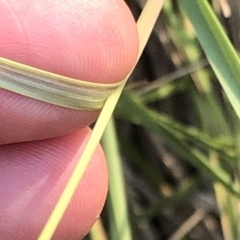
x,y
120,228
218,49
223,145
149,119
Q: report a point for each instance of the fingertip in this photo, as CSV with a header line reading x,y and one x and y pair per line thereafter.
x,y
91,40
26,119
32,177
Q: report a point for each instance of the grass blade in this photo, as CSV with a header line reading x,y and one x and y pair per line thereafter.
x,y
218,49
149,119
97,232
120,228
145,25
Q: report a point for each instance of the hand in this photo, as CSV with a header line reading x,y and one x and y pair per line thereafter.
x,y
41,143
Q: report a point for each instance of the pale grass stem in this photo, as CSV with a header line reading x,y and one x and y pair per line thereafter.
x,y
145,25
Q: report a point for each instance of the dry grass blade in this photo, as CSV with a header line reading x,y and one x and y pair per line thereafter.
x,y
145,25
98,231
188,225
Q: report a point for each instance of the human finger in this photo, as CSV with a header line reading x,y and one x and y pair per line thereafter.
x,y
91,40
32,177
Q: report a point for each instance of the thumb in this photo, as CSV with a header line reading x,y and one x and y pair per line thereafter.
x,y
90,40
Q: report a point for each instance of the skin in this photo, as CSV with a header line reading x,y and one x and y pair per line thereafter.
x,y
40,143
